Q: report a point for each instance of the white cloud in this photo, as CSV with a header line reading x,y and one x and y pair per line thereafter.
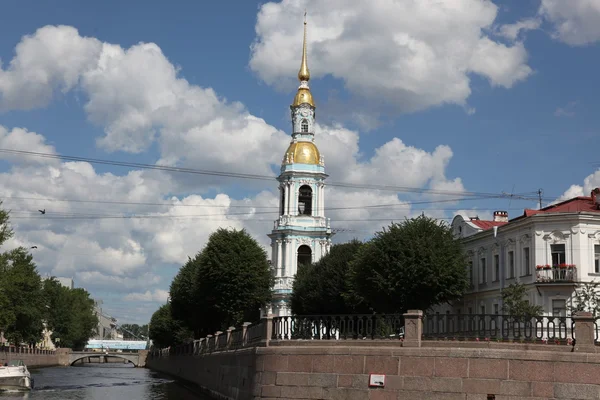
x,y
413,54
137,105
157,296
590,182
21,139
566,111
512,31
576,22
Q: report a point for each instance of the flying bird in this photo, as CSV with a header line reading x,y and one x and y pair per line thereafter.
x,y
43,211
34,247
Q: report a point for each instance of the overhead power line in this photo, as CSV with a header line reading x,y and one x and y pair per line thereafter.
x,y
404,189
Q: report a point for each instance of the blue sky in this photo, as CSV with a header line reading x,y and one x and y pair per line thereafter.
x,y
513,112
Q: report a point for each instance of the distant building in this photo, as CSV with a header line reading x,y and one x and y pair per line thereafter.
x,y
550,250
107,325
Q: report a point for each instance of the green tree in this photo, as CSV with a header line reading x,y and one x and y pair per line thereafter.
x,y
165,331
21,287
233,280
69,314
184,299
586,298
322,288
411,265
514,302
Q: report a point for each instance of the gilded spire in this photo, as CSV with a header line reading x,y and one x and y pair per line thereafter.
x,y
304,73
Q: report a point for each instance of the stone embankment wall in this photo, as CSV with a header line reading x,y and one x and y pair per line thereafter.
x,y
34,357
342,372
223,375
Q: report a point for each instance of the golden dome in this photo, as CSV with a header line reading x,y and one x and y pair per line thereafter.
x,y
303,96
302,153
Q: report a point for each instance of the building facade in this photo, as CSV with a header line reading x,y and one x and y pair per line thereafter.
x,y
302,234
550,250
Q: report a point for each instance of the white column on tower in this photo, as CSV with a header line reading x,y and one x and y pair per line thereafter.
x,y
286,206
322,199
288,258
293,258
279,259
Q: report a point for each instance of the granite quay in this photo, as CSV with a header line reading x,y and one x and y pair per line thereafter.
x,y
338,357
32,357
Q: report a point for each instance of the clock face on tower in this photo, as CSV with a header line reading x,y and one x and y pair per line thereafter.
x,y
304,113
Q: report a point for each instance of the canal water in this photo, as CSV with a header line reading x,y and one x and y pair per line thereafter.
x,y
103,382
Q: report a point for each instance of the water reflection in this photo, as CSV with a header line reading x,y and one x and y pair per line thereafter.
x,y
101,382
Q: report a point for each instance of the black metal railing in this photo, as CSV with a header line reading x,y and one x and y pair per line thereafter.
x,y
497,327
336,327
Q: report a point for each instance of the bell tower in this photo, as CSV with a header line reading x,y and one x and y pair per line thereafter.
x,y
301,235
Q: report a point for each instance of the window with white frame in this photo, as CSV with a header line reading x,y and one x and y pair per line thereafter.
x,y
482,309
496,267
511,264
483,269
496,310
558,254
597,258
526,261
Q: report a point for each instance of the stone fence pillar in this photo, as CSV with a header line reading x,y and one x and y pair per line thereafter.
x,y
229,331
413,328
584,332
267,330
245,326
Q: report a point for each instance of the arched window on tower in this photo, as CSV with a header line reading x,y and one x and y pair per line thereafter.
x,y
305,200
304,126
304,255
282,207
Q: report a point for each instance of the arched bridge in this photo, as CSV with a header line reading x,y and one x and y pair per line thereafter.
x,y
136,358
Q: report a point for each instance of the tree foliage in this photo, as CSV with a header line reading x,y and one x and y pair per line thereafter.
x,y
164,330
411,265
514,302
223,285
184,299
69,314
586,298
322,287
233,280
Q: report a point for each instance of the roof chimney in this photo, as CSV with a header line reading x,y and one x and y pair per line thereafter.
x,y
500,216
595,197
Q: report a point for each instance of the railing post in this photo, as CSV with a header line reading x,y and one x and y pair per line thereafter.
x,y
229,331
267,330
217,336
245,326
584,332
413,328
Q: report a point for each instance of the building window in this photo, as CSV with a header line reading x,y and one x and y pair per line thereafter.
x,y
304,126
496,267
526,262
305,200
304,255
496,311
597,259
483,270
459,311
558,254
470,311
482,310
471,273
282,212
511,264
559,308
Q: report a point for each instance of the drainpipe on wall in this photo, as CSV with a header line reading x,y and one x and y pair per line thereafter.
x,y
502,266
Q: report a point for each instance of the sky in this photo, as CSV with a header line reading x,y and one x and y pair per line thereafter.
x,y
431,106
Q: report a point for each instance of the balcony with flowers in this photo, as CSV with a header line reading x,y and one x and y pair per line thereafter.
x,y
561,273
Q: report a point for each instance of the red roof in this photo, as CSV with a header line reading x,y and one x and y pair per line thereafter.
x,y
485,225
576,204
